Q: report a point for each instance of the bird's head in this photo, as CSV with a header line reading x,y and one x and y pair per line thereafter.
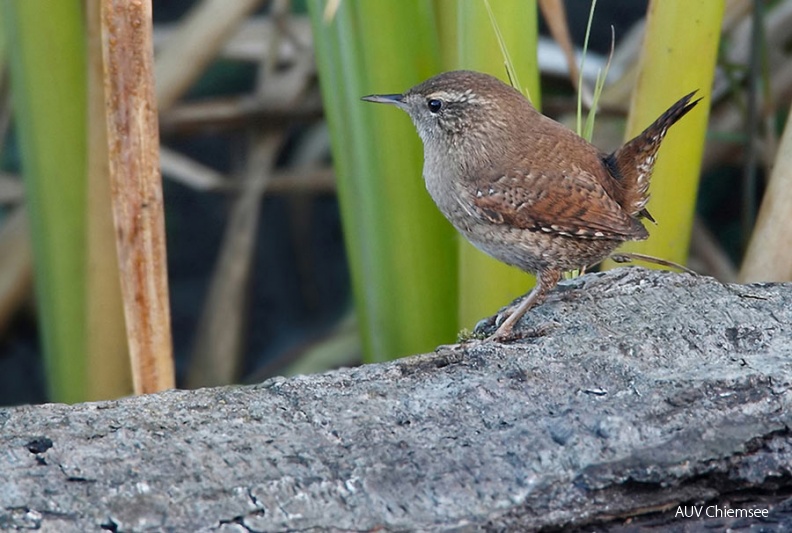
x,y
458,107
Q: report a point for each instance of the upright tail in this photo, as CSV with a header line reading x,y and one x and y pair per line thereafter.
x,y
632,164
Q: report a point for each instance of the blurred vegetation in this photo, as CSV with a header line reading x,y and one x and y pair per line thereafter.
x,y
50,104
107,345
401,250
244,145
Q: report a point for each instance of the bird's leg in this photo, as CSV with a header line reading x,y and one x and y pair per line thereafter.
x,y
546,280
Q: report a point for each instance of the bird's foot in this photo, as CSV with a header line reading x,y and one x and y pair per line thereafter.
x,y
506,320
506,337
503,335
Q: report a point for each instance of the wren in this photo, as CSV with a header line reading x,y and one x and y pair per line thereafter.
x,y
522,187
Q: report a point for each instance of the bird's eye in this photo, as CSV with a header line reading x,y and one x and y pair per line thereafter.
x,y
434,105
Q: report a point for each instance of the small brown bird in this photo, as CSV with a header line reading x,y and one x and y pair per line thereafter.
x,y
523,188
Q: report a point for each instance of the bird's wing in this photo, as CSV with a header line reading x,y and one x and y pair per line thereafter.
x,y
564,204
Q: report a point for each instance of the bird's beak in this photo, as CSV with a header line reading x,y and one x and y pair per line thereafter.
x,y
394,99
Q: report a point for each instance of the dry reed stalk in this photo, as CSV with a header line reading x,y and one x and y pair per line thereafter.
x,y
133,141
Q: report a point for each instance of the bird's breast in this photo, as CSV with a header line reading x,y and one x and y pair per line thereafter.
x,y
446,187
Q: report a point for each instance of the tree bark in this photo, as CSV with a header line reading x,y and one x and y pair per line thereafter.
x,y
632,393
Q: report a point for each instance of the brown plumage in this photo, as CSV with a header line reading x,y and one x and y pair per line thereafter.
x,y
522,187
632,164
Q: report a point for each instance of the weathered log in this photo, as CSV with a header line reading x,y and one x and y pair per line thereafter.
x,y
632,393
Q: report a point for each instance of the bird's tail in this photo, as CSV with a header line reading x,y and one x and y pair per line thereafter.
x,y
632,164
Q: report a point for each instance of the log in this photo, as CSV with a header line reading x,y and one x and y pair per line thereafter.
x,y
633,395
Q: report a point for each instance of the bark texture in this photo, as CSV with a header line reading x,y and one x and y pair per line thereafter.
x,y
631,393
